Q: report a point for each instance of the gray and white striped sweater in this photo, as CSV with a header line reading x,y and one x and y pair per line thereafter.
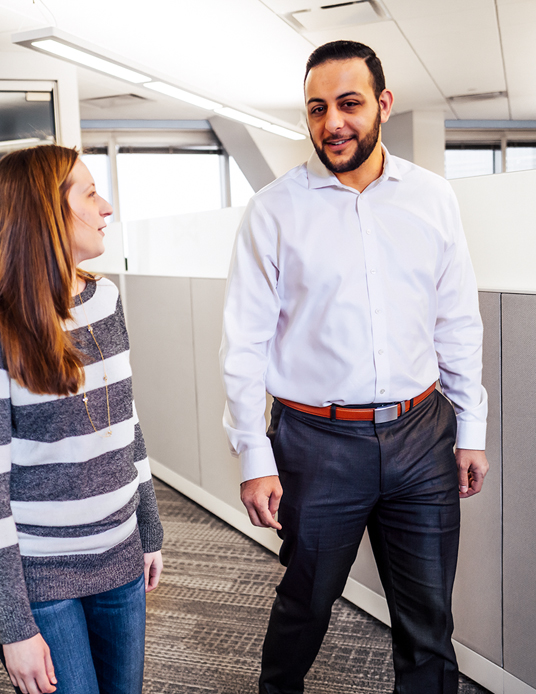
x,y
77,511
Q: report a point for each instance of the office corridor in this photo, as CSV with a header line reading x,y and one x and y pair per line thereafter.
x,y
206,621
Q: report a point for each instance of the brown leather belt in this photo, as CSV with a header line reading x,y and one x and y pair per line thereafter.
x,y
382,413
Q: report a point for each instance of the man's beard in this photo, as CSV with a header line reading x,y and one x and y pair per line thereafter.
x,y
364,149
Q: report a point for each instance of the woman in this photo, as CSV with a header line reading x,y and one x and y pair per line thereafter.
x,y
74,475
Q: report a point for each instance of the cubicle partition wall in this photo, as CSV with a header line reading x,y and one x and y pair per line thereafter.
x,y
175,330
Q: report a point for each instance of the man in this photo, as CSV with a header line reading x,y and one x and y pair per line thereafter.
x,y
351,292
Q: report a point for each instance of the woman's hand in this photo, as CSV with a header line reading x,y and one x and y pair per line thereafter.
x,y
153,565
29,665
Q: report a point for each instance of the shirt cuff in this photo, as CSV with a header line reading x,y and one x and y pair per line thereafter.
x,y
258,462
471,435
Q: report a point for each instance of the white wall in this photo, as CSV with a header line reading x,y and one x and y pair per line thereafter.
x,y
281,153
418,136
499,217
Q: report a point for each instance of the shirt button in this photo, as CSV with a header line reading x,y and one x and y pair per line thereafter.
x,y
369,232
373,272
377,311
380,351
382,391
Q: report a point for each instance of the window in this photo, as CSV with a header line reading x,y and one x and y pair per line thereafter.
x,y
241,191
462,160
520,156
155,184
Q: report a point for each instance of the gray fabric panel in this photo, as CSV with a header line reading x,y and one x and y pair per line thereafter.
x,y
111,521
58,419
16,620
69,481
519,484
478,614
5,421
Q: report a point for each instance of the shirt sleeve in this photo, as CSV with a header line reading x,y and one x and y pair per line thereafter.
x,y
250,319
16,619
458,336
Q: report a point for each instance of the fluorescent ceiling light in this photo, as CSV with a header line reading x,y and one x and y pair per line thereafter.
x,y
285,132
188,97
258,123
62,50
239,116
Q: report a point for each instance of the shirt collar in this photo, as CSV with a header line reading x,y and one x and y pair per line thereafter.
x,y
320,177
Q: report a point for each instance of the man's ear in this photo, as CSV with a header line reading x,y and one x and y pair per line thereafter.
x,y
386,104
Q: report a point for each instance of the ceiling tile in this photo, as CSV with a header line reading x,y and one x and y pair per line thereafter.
x,y
460,48
518,29
490,109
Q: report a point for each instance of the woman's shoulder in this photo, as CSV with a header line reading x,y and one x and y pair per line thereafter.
x,y
103,283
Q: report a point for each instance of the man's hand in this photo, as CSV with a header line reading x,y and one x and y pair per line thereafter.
x,y
152,568
30,666
261,498
472,468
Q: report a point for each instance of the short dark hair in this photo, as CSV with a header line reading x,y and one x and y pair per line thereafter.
x,y
346,50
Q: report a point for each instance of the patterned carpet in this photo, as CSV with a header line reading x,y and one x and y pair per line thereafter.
x,y
207,619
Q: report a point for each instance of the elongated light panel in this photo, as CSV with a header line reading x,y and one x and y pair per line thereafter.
x,y
89,60
182,95
284,132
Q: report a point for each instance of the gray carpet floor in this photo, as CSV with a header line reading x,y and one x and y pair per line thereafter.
x,y
206,621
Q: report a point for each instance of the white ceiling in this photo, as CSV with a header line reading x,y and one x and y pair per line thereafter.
x,y
245,52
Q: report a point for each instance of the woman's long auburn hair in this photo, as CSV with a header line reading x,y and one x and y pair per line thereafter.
x,y
37,270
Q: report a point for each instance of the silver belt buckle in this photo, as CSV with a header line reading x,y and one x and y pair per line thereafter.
x,y
385,414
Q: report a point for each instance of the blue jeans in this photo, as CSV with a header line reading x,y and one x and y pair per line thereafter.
x,y
97,642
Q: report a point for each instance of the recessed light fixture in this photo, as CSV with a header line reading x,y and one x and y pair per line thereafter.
x,y
485,96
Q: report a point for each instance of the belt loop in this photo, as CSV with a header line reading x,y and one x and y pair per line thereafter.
x,y
333,413
411,404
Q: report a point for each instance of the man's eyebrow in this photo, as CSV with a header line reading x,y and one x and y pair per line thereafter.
x,y
315,99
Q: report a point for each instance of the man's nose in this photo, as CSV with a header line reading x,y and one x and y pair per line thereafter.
x,y
334,119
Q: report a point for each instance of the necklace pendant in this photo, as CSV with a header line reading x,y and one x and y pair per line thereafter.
x,y
85,399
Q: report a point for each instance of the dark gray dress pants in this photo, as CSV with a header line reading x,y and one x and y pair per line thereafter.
x,y
399,479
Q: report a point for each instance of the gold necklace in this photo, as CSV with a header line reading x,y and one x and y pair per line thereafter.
x,y
89,327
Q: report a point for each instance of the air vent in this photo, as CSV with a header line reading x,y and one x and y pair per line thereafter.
x,y
339,15
463,98
117,100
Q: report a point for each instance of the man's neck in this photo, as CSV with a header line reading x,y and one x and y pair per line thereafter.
x,y
369,171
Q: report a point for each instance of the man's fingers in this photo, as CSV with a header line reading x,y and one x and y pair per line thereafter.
x,y
472,469
261,517
261,498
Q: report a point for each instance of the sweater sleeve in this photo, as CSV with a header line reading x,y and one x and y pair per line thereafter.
x,y
151,531
16,620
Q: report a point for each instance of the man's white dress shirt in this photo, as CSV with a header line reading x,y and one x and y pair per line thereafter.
x,y
336,296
